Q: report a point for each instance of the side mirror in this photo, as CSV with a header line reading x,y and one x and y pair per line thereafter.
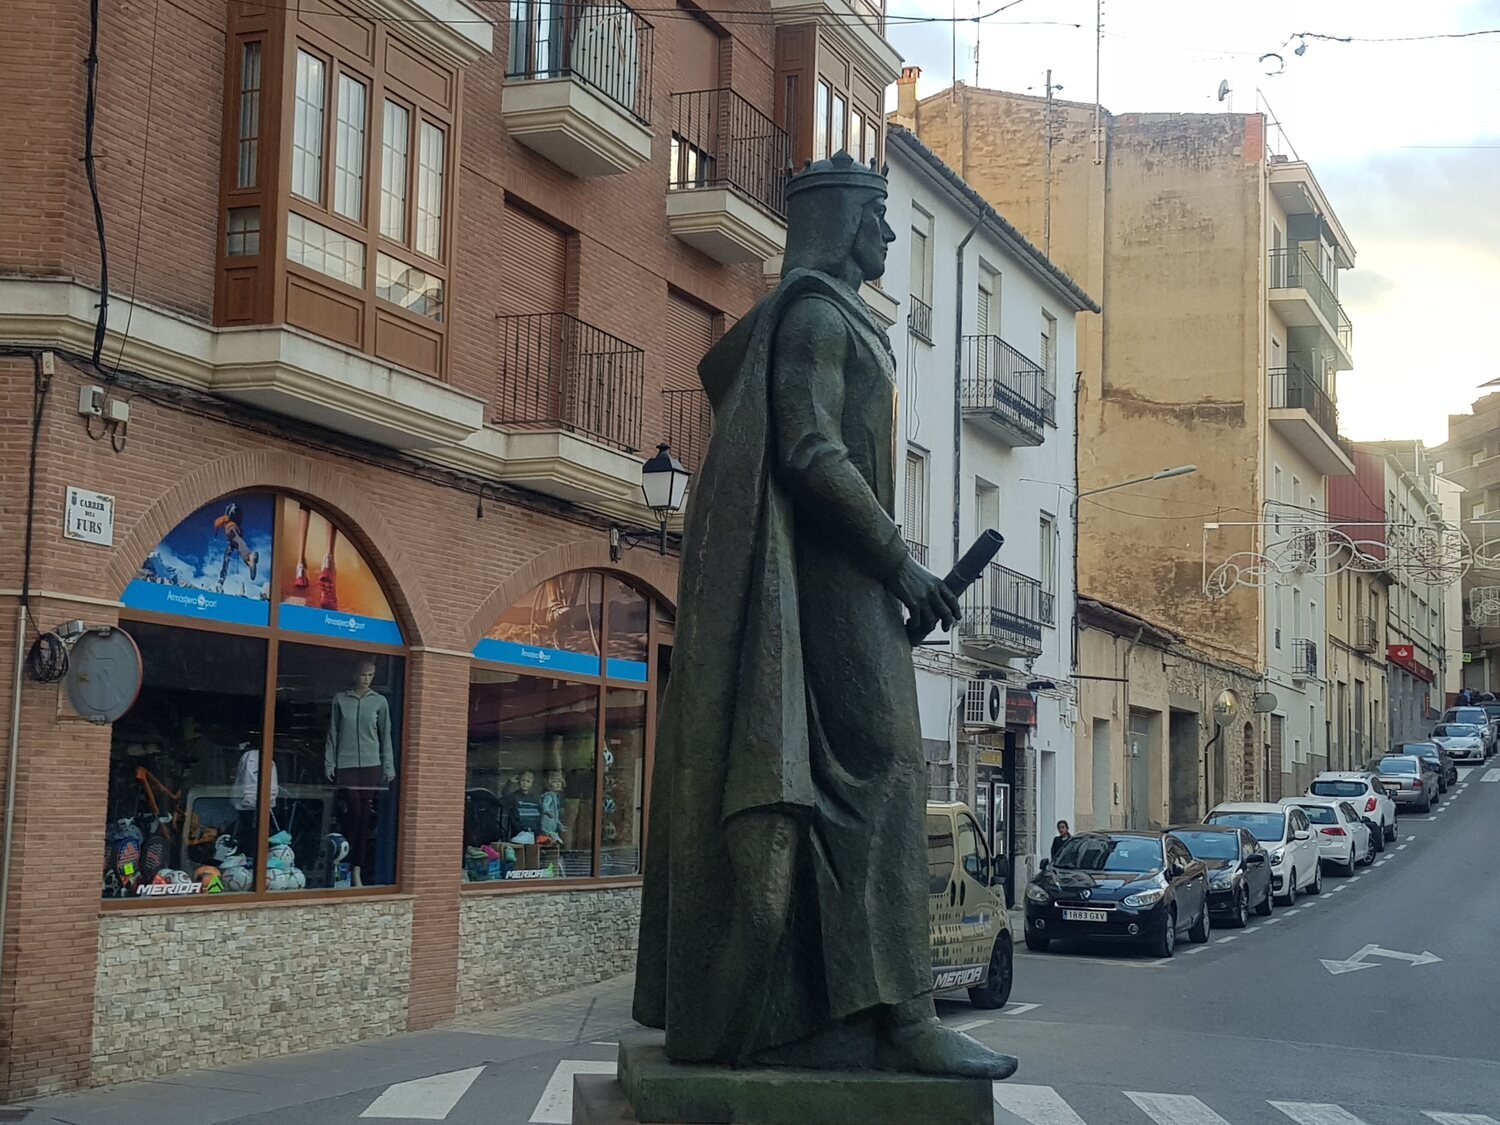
x,y
1302,834
1255,859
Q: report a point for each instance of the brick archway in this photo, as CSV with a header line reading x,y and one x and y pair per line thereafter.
x,y
332,490
646,570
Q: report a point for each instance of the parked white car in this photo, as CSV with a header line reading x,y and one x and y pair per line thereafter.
x,y
1463,741
1474,715
1286,834
1344,840
1363,790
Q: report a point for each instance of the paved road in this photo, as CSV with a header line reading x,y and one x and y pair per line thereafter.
x,y
1250,1029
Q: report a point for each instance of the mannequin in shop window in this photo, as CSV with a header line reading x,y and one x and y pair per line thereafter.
x,y
358,757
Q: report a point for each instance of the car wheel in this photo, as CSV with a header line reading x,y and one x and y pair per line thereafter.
x,y
1198,932
1167,943
1426,805
1390,833
1241,916
1377,839
1267,904
1291,889
1348,865
1370,850
1316,886
995,991
1037,944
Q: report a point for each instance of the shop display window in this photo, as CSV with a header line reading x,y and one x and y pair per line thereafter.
x,y
559,699
263,755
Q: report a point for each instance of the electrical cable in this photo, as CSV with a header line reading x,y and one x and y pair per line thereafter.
x,y
90,115
140,212
47,661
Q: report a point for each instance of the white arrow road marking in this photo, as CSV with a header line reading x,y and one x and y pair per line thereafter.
x,y
555,1106
1337,967
1460,1118
1491,775
1357,961
1317,1113
1175,1109
1035,1105
425,1099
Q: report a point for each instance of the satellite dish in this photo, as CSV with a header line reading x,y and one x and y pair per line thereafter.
x,y
1265,702
1223,89
104,674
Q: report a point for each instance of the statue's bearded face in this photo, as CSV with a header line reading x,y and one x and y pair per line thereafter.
x,y
871,239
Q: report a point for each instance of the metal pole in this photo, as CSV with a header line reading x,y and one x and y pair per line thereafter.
x,y
1047,189
1098,59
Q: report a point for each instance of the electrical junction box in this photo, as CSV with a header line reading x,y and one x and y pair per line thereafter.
x,y
117,410
91,401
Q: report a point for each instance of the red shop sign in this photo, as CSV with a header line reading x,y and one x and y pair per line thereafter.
x,y
1404,656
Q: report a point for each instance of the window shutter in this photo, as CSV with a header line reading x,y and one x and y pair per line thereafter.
x,y
535,279
919,266
914,526
690,333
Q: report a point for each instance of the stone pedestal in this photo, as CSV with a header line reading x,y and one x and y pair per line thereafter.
x,y
652,1090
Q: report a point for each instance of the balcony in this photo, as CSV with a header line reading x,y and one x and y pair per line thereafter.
x,y
1003,614
1366,636
1301,296
918,551
727,192
558,373
689,423
578,84
919,319
1304,659
1006,393
1304,414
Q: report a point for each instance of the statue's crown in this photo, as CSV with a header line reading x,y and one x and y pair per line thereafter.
x,y
840,170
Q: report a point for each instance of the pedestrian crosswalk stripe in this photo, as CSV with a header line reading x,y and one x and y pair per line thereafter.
x,y
1035,1105
1461,1118
1175,1109
555,1106
424,1099
1491,775
1317,1113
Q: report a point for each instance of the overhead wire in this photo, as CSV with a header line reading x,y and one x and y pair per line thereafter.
x,y
140,213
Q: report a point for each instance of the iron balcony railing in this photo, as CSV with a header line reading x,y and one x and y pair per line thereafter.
x,y
1365,637
1048,605
557,371
606,46
1304,658
1292,388
998,379
919,319
918,551
721,140
689,422
1293,268
1003,610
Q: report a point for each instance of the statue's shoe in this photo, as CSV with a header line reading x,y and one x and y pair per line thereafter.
x,y
927,1047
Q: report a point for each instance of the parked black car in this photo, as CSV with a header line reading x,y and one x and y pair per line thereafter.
x,y
1142,887
1239,870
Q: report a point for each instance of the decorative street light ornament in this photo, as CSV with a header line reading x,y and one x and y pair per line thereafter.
x,y
1484,605
664,484
1437,555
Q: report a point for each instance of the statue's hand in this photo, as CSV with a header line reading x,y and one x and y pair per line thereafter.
x,y
927,600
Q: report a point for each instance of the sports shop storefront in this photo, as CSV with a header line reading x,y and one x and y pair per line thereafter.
x,y
284,804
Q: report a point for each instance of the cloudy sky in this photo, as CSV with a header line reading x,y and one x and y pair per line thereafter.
x,y
1404,137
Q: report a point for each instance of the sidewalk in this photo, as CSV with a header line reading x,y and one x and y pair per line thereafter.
x,y
324,1087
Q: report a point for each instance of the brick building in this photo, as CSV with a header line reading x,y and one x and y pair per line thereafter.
x,y
399,295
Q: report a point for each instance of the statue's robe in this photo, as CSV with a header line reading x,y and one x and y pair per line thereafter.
x,y
791,690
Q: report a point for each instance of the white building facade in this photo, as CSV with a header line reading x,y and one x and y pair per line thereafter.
x,y
985,356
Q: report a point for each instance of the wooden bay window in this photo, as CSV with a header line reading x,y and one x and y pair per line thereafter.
x,y
338,198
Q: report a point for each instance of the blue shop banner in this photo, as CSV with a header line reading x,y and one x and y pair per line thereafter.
x,y
332,623
213,566
537,656
632,670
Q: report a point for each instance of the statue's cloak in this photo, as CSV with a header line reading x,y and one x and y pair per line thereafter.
x,y
791,689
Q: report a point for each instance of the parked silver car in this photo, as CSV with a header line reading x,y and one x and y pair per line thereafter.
x,y
1463,741
1409,780
1476,715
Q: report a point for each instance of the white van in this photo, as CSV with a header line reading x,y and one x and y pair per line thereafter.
x,y
971,941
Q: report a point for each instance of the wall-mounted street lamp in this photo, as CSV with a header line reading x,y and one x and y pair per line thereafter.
x,y
1163,474
664,484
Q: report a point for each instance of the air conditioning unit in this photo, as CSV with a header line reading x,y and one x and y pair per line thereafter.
x,y
984,705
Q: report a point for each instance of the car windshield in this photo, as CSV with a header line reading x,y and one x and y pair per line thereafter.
x,y
1261,825
1466,715
1319,814
1110,853
1398,765
1339,788
1210,845
1455,730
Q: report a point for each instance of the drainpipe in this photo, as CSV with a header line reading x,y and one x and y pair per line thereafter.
x,y
1125,692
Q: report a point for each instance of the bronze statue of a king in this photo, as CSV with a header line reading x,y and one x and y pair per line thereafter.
x,y
785,919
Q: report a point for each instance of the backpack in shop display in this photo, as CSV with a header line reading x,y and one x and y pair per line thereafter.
x,y
247,781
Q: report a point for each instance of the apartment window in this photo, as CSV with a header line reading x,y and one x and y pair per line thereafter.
x,y
1437,468
820,121
325,250
393,166
307,127
430,190
986,506
857,137
1276,615
914,526
1049,349
921,279
249,125
1477,511
1047,567
242,236
838,123
349,151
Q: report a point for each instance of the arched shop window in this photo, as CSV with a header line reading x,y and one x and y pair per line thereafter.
x,y
263,755
562,698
